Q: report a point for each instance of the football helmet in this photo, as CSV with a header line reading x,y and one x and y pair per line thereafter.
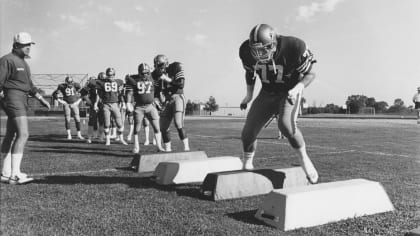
x,y
69,80
110,71
144,69
101,76
263,42
160,63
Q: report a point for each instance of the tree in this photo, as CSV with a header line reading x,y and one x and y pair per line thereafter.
x,y
398,106
211,105
189,108
331,108
380,107
370,102
356,102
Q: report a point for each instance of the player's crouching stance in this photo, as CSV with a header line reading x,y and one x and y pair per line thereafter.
x,y
283,65
70,100
142,91
170,79
108,93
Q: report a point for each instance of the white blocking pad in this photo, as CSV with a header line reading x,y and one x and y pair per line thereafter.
x,y
323,203
245,183
147,163
193,171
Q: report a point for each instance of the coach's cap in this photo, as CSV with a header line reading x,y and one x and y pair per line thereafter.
x,y
23,38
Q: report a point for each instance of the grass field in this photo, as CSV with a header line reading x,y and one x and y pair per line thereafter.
x,y
86,189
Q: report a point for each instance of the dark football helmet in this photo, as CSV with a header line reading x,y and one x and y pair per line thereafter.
x,y
144,69
110,71
263,42
160,63
69,80
101,76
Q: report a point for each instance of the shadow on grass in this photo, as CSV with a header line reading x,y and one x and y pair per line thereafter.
x,y
80,151
188,190
246,217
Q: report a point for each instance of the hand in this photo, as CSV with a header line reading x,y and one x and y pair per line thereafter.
x,y
293,93
130,107
243,106
95,107
62,101
45,103
165,78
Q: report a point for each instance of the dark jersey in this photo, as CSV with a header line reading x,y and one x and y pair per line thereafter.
x,y
70,92
175,71
291,60
109,90
142,88
90,90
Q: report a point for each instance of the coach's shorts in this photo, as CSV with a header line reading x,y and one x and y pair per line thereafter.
x,y
15,103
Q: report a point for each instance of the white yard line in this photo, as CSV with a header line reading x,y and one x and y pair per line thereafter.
x,y
74,172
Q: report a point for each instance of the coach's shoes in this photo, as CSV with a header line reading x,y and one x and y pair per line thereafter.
x,y
20,179
4,179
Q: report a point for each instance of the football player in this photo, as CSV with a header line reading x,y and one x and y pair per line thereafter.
x,y
125,112
88,93
170,80
142,90
284,67
108,92
70,100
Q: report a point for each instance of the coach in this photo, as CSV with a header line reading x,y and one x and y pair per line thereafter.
x,y
15,85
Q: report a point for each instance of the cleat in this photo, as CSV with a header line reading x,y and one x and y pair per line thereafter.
x,y
313,178
154,142
88,140
129,138
80,137
107,142
69,137
146,143
123,142
20,179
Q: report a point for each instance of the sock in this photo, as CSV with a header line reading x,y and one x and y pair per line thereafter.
x,y
16,161
7,164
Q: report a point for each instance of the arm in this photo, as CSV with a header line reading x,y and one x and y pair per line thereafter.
x,y
306,75
41,99
249,76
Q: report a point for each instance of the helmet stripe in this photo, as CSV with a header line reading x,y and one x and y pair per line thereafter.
x,y
257,28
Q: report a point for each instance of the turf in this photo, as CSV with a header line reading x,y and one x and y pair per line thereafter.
x,y
86,189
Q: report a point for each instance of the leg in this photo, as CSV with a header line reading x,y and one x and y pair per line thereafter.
x,y
6,148
22,134
67,117
107,123
138,119
131,124
288,114
260,112
165,122
76,113
179,120
146,126
153,116
118,122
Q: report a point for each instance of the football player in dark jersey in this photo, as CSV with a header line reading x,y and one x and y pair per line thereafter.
x,y
284,66
416,100
88,93
170,79
108,92
142,91
70,100
125,112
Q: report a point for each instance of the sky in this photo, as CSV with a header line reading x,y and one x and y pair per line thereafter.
x,y
363,47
